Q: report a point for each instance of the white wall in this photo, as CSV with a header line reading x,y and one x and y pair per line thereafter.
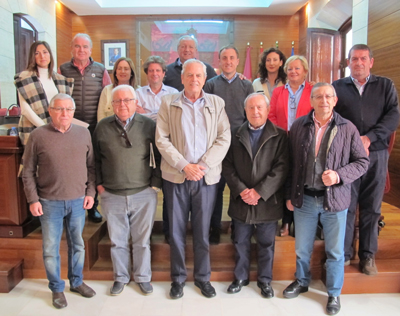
x,y
360,21
42,15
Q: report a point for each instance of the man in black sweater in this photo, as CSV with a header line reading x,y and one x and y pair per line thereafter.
x,y
370,102
233,90
187,49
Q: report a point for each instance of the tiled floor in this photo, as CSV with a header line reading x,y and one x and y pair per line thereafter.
x,y
32,297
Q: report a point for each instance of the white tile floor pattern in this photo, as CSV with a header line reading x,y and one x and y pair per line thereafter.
x,y
32,297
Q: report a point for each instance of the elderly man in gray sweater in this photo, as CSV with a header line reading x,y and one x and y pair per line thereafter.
x,y
58,178
128,178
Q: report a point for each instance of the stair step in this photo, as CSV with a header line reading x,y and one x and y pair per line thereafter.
x,y
386,281
10,274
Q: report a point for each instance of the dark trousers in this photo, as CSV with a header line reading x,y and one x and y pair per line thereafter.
x,y
165,215
265,236
197,198
367,192
287,215
219,203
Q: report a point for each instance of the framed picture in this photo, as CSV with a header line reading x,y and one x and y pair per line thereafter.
x,y
111,50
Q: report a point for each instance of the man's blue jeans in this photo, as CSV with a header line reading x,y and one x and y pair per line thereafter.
x,y
55,215
334,225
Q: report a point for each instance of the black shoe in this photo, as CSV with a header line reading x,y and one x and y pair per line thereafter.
x,y
333,305
176,290
94,215
59,300
294,289
215,235
237,285
266,289
206,288
117,288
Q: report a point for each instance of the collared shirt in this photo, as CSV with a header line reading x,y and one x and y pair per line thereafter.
x,y
320,131
124,126
256,129
319,134
150,101
360,86
179,62
194,125
106,76
229,80
58,130
293,102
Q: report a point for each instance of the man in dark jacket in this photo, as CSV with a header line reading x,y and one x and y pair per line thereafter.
x,y
187,49
370,102
255,169
327,155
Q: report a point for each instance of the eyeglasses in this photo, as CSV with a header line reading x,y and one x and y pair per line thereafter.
x,y
124,101
127,141
58,110
320,97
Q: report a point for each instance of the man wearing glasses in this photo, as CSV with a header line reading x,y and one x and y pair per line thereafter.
x,y
128,178
59,183
326,155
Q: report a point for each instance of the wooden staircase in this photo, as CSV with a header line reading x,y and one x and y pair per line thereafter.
x,y
98,265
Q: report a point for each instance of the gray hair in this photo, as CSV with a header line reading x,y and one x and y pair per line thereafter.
x,y
123,87
82,35
194,61
254,94
62,96
187,38
322,84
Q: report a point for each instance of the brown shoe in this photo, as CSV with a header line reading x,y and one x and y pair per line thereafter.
x,y
59,300
368,267
83,290
284,231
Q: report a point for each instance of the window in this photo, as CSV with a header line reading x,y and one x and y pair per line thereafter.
x,y
160,37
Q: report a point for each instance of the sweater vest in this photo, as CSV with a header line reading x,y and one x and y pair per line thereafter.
x,y
87,89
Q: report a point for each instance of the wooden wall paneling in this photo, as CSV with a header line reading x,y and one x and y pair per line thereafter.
x,y
266,29
323,55
64,33
303,26
107,27
385,64
385,32
253,29
381,9
384,39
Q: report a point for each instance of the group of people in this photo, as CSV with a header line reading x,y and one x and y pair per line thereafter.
x,y
282,145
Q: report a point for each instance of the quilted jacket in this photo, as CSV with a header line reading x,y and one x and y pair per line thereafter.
x,y
345,155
